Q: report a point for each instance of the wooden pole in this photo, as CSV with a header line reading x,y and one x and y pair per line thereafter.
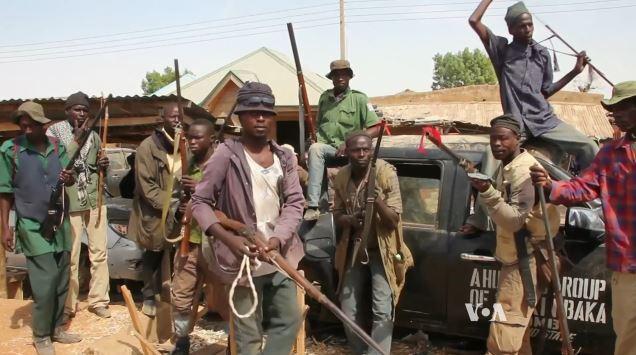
x,y
343,50
134,317
3,273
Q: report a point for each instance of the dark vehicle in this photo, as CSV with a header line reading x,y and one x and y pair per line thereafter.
x,y
449,293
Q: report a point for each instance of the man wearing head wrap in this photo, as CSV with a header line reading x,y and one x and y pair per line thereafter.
x,y
388,256
612,179
524,70
341,111
510,202
83,206
30,166
254,181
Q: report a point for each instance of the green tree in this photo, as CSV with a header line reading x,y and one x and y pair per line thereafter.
x,y
155,80
462,68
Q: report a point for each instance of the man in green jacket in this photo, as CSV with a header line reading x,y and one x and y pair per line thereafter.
x,y
30,166
83,207
155,165
341,111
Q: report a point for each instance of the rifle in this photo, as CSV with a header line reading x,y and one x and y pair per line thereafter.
x,y
463,162
556,277
304,99
184,247
100,179
360,239
277,260
56,208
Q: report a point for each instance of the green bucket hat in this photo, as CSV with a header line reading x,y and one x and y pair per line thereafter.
x,y
622,91
34,110
514,12
339,64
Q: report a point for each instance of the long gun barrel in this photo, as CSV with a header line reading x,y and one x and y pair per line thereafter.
x,y
303,88
463,162
100,179
360,240
556,277
300,280
184,247
55,211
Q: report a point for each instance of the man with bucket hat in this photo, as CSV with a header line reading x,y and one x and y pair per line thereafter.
x,y
30,166
612,178
83,209
341,111
254,181
525,75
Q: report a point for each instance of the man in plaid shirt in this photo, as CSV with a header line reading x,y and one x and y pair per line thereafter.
x,y
612,178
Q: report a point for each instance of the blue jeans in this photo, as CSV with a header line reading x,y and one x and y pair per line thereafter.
x,y
318,153
359,282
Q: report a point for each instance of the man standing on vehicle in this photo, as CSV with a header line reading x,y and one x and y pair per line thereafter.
x,y
187,268
154,163
520,233
388,256
30,166
83,207
612,178
254,181
341,111
524,71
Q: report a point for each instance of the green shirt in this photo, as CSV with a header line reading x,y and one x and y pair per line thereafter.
x,y
195,172
29,239
75,205
339,116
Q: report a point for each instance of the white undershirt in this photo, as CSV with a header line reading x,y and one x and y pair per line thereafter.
x,y
266,194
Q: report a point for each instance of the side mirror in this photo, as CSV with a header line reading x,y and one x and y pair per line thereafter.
x,y
585,224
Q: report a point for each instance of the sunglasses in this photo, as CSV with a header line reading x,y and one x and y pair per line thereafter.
x,y
258,100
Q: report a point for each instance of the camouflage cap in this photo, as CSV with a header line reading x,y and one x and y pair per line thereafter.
x,y
622,91
339,64
34,110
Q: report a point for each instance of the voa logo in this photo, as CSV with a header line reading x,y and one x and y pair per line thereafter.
x,y
477,311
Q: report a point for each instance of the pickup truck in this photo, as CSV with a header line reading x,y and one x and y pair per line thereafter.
x,y
452,287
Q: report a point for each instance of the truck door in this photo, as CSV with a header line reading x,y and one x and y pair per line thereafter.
x,y
423,300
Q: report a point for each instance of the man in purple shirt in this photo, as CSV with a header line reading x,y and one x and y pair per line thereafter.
x,y
612,178
254,181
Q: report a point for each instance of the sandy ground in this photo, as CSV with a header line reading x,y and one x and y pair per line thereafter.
x,y
112,336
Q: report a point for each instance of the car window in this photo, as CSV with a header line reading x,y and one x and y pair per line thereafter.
x,y
419,187
117,160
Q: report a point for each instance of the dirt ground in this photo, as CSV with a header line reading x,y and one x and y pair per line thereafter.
x,y
113,335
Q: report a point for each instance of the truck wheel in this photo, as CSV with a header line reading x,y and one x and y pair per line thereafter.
x,y
84,270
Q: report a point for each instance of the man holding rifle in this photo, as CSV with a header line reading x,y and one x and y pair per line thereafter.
x,y
30,166
83,207
341,111
524,71
612,178
187,268
521,248
387,255
254,181
154,163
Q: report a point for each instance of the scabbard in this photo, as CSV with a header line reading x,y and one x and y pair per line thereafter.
x,y
524,266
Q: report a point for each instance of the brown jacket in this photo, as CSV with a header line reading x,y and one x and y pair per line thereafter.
x,y
390,241
151,176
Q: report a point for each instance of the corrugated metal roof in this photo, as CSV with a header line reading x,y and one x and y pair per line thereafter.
x,y
264,65
589,118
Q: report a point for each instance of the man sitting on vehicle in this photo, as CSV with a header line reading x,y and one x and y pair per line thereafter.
x,y
340,112
612,178
524,71
388,257
520,237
